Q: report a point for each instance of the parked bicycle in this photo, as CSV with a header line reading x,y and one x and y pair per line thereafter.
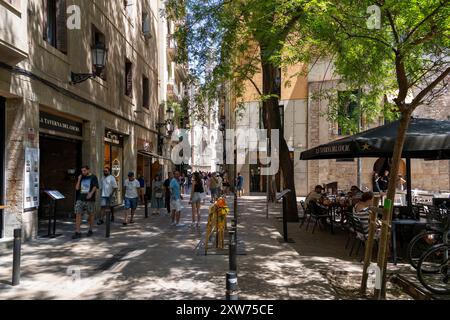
x,y
439,222
433,268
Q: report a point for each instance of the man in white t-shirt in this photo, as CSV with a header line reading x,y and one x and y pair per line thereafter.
x,y
132,187
108,186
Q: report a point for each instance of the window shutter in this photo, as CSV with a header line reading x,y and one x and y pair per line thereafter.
x,y
146,93
44,19
61,25
129,80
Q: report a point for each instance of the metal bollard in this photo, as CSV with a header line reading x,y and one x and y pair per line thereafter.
x,y
108,223
232,286
112,214
232,252
16,257
285,229
235,206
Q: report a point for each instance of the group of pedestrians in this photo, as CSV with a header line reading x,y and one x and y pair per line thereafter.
x,y
218,184
88,184
165,194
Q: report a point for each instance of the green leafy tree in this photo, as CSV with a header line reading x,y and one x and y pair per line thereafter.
x,y
399,48
231,41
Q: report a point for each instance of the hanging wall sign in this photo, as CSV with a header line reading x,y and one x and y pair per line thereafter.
x,y
115,170
31,190
145,145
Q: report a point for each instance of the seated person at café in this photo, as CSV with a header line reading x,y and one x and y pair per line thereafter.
x,y
356,194
315,195
362,210
346,200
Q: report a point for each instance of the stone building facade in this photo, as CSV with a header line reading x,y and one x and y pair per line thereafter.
x,y
306,126
108,120
426,175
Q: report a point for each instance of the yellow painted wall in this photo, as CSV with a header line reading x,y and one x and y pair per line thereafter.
x,y
294,83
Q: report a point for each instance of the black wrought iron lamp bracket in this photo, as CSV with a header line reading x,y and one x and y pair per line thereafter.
x,y
80,77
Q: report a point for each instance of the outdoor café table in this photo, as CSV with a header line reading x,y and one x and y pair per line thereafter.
x,y
403,222
332,207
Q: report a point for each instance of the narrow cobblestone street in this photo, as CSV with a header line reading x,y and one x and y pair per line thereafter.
x,y
152,260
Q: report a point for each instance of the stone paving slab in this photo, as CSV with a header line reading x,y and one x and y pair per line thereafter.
x,y
152,260
326,253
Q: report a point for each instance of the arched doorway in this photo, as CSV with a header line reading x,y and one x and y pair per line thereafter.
x,y
383,164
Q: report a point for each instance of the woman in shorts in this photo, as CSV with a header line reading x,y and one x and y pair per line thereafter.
x,y
196,198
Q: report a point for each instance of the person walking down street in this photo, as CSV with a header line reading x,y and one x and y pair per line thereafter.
x,y
132,187
157,195
167,192
219,185
86,188
196,197
239,184
206,183
226,184
189,183
384,181
376,182
175,198
108,187
182,183
401,183
213,184
141,188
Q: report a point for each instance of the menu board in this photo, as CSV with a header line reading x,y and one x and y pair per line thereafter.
x,y
55,195
31,178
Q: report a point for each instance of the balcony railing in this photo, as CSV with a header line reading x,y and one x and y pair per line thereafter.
x,y
173,91
13,33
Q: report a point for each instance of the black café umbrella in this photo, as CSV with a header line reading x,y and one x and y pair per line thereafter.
x,y
425,139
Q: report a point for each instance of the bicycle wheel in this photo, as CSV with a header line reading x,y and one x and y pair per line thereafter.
x,y
420,244
433,269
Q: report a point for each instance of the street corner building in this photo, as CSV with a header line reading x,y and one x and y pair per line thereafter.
x,y
88,95
306,126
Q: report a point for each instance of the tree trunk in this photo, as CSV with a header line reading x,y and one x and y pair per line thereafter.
x,y
271,192
271,107
387,214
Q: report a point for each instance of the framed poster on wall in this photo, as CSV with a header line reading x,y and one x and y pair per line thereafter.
x,y
31,179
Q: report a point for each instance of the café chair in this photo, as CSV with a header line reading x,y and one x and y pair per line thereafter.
x,y
306,213
361,234
317,213
350,229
